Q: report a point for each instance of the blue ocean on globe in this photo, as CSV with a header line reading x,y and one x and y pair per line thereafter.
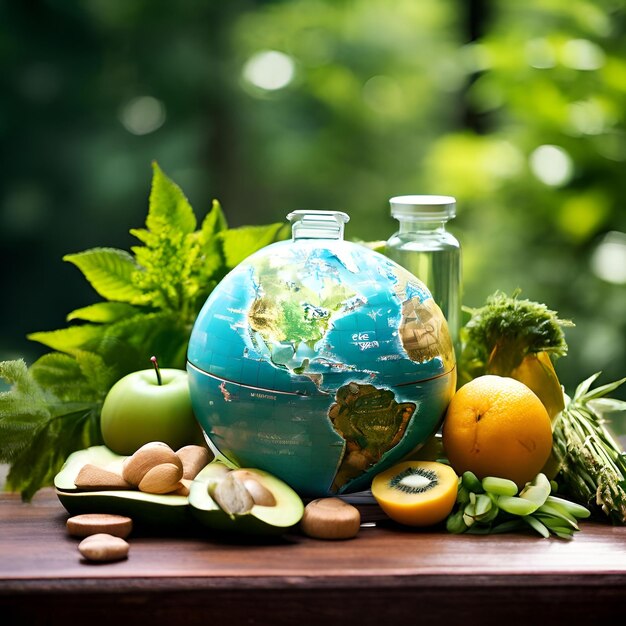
x,y
322,362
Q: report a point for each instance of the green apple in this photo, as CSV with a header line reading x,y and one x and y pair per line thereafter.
x,y
149,406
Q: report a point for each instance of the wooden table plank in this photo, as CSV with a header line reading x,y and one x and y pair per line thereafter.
x,y
386,571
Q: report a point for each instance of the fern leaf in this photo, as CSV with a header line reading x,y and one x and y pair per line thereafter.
x,y
109,271
70,340
214,222
103,312
168,205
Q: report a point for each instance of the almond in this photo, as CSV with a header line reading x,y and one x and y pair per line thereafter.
x,y
162,478
96,478
193,458
148,456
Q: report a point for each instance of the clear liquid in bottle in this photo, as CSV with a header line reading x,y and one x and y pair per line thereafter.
x,y
425,248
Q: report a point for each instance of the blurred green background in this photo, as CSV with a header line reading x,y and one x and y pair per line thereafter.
x,y
516,108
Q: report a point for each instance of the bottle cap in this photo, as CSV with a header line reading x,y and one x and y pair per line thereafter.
x,y
317,224
423,207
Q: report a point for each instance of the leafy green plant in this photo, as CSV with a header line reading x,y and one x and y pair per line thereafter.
x,y
152,296
592,464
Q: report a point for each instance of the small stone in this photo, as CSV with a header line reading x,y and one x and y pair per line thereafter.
x,y
103,547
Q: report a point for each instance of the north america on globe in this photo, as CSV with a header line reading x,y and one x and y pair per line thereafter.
x,y
294,306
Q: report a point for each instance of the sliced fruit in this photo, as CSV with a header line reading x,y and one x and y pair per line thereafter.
x,y
218,485
144,508
416,493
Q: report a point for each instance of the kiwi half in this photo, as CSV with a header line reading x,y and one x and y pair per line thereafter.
x,y
416,493
414,480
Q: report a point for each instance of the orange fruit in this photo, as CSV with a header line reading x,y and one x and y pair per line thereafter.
x,y
496,426
416,493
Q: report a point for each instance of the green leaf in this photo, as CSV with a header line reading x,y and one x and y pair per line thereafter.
x,y
70,339
109,271
601,391
21,409
585,385
57,372
152,299
240,243
168,205
97,374
84,377
161,334
601,406
39,429
214,222
17,375
53,441
103,312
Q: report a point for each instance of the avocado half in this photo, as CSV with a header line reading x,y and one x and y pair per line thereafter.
x,y
144,508
265,520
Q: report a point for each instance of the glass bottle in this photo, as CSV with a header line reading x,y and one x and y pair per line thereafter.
x,y
424,247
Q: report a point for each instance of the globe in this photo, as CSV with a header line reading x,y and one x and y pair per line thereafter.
x,y
320,361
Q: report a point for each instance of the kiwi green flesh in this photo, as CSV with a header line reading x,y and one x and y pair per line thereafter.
x,y
286,513
143,508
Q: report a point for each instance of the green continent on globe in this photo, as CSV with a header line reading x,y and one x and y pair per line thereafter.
x,y
286,312
371,421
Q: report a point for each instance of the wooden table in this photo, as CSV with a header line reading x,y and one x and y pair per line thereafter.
x,y
386,576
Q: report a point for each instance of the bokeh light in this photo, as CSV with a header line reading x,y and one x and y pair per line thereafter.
x,y
552,165
269,70
582,54
142,115
608,261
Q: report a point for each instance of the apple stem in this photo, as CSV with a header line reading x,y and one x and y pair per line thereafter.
x,y
156,369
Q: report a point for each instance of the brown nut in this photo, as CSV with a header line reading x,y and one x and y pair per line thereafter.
x,y
97,478
93,523
162,478
193,458
103,547
232,496
259,492
148,456
330,518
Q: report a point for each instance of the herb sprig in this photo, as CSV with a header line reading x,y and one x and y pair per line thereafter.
x,y
151,297
592,464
